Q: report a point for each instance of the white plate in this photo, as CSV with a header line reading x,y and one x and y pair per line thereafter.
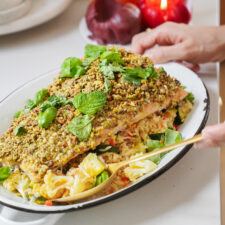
x,y
41,11
193,124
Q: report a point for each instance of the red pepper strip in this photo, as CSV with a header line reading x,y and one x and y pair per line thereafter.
x,y
48,203
111,142
175,127
124,179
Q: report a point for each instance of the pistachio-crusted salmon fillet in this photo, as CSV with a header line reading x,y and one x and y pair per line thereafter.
x,y
42,148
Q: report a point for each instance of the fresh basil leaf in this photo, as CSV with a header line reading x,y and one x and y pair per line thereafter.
x,y
102,177
20,130
101,149
40,96
107,71
154,144
152,72
72,67
30,105
81,127
4,173
112,57
107,84
162,70
56,101
90,103
190,97
45,118
132,79
17,114
94,51
172,137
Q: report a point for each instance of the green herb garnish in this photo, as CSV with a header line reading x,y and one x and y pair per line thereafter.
x,y
94,51
56,101
190,97
20,130
45,118
38,98
81,127
108,70
112,57
90,103
136,75
72,67
4,173
17,114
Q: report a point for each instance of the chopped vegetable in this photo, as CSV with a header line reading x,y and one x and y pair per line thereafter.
x,y
45,118
139,168
20,130
48,203
154,144
101,149
72,67
4,173
158,136
102,177
81,127
90,103
92,165
190,97
172,137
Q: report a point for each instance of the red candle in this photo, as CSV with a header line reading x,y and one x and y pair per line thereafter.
x,y
156,12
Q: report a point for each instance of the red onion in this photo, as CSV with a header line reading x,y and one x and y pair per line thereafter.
x,y
113,22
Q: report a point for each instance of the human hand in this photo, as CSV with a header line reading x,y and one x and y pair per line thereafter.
x,y
214,136
180,42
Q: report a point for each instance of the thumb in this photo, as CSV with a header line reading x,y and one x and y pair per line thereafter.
x,y
163,54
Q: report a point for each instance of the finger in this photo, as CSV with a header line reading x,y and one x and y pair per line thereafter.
x,y
165,54
206,144
215,132
192,66
142,41
165,34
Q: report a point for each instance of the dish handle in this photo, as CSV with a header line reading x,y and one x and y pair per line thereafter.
x,y
10,216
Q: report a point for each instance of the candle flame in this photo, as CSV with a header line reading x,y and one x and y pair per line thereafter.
x,y
163,4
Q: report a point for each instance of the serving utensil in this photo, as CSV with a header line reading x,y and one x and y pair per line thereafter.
x,y
114,167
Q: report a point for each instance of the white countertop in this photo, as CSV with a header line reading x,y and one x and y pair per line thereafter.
x,y
186,194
